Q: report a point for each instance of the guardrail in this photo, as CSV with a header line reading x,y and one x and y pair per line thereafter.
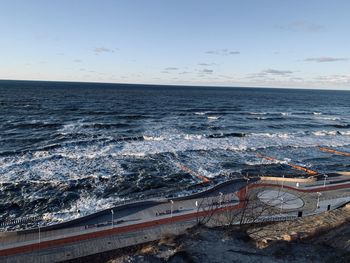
x,y
20,221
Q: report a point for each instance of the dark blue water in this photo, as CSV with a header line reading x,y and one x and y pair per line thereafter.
x,y
69,146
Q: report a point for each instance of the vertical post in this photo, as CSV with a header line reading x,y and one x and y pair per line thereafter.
x,y
318,200
171,208
325,179
282,182
112,212
39,233
246,187
220,200
281,204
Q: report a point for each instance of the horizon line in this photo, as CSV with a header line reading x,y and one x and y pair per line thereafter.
x,y
177,85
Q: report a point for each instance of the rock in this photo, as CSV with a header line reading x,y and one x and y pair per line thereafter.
x,y
286,237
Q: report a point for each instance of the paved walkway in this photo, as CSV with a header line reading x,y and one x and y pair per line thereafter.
x,y
228,196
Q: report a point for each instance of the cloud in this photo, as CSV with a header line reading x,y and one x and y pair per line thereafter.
x,y
302,26
171,68
206,64
225,76
277,72
335,79
270,74
223,52
207,71
103,50
325,59
184,72
77,60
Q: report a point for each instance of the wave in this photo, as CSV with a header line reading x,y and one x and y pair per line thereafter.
x,y
262,161
152,138
325,133
270,113
329,118
341,126
345,133
249,142
226,135
86,204
213,117
133,116
105,125
257,113
201,113
66,161
259,118
33,125
129,139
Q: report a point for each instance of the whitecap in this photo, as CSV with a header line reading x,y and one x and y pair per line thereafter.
x,y
201,113
152,138
258,113
325,133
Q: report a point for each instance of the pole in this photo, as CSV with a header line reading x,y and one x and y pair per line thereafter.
x,y
221,194
171,208
39,233
282,183
318,200
325,179
281,205
112,212
246,187
197,210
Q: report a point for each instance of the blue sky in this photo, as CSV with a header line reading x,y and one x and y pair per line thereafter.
x,y
271,43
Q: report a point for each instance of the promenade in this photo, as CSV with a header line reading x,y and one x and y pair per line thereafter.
x,y
144,221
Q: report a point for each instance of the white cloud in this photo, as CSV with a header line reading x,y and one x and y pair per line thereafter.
x,y
325,59
223,52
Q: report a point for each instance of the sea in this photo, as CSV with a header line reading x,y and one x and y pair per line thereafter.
x,y
71,149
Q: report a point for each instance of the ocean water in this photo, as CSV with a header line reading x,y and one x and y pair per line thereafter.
x,y
81,146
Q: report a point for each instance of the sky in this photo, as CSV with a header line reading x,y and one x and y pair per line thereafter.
x,y
260,43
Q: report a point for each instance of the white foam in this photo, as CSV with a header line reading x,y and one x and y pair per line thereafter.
x,y
201,113
101,160
213,117
250,142
325,133
85,205
345,133
152,138
329,118
258,113
71,127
